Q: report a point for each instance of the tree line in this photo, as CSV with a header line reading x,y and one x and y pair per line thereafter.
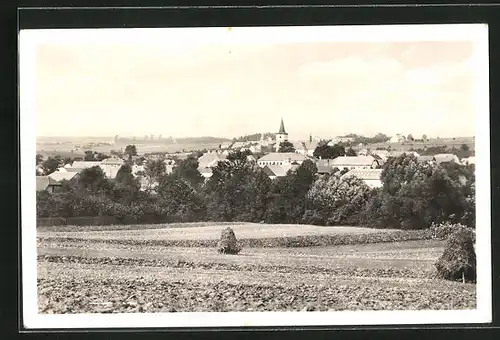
x,y
413,195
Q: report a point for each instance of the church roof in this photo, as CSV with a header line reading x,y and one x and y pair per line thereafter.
x,y
282,127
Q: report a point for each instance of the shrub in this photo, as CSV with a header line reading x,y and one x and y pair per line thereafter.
x,y
228,243
443,230
459,258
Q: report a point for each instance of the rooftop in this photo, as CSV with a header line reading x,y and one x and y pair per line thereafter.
x,y
282,156
275,170
282,127
84,164
60,176
42,182
352,160
366,174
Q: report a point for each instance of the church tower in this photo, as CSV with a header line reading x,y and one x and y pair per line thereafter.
x,y
281,136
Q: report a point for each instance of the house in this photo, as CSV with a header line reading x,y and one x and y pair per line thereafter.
x,y
469,160
137,169
63,176
310,146
146,184
324,167
225,145
113,161
111,166
399,153
205,172
370,177
363,152
445,158
210,159
398,138
45,183
237,145
169,161
300,148
355,162
255,148
338,140
281,158
383,154
80,165
273,170
426,159
251,158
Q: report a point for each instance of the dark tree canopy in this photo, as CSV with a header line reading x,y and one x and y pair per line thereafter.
x,y
155,169
131,150
325,151
187,169
350,152
89,156
51,164
286,146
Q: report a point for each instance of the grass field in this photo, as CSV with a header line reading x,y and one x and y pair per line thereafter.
x,y
82,271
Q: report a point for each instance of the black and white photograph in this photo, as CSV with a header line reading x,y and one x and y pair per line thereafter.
x,y
255,176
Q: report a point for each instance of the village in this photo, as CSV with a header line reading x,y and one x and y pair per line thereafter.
x,y
365,164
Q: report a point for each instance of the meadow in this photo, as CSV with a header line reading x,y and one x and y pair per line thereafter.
x,y
176,268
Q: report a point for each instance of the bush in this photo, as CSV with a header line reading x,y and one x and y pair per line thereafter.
x,y
228,243
443,230
458,261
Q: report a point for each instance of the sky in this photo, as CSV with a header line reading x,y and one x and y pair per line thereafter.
x,y
228,89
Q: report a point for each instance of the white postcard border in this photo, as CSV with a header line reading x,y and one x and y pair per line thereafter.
x,y
30,39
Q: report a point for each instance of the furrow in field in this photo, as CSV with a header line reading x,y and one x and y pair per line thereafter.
x,y
85,288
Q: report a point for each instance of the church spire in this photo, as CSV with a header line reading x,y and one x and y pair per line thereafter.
x,y
282,127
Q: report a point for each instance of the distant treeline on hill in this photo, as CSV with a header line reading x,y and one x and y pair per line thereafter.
x,y
253,137
171,140
378,138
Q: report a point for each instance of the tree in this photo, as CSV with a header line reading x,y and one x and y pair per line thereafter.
x,y
124,174
154,171
180,199
325,151
287,202
188,170
94,180
336,200
140,160
89,156
100,156
286,146
351,152
424,138
414,195
464,147
237,190
410,138
131,150
50,165
39,159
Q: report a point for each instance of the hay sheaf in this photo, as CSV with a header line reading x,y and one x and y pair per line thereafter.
x,y
458,261
228,243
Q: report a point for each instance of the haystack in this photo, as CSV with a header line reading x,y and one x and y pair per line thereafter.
x,y
458,261
228,243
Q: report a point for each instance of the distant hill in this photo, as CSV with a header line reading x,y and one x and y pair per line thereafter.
x,y
172,140
253,137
